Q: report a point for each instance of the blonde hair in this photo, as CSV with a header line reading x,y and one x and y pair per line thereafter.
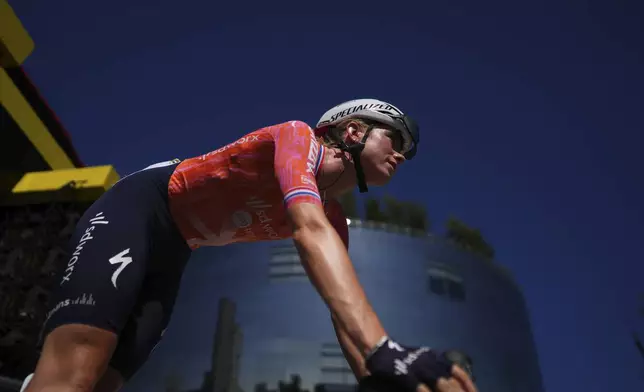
x,y
336,132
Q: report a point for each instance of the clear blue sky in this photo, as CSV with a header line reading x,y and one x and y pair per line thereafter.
x,y
531,113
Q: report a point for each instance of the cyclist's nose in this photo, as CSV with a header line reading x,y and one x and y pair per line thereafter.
x,y
400,158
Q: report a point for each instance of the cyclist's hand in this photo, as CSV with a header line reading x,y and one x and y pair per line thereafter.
x,y
459,382
417,369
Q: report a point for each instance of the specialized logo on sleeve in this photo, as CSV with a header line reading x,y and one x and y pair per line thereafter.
x,y
98,219
121,259
314,157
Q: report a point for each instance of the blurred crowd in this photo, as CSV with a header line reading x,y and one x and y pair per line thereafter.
x,y
33,244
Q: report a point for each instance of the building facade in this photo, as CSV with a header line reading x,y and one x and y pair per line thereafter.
x,y
425,289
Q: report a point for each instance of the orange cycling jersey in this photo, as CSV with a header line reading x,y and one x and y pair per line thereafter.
x,y
240,192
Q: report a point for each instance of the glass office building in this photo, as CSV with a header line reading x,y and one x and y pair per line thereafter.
x,y
247,319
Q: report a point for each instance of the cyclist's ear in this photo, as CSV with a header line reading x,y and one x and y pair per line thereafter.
x,y
354,132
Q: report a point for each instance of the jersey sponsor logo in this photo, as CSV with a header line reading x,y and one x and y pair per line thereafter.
x,y
122,259
242,219
224,237
259,207
98,219
306,180
243,140
376,106
80,300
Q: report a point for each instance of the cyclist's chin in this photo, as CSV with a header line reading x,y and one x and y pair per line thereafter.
x,y
380,177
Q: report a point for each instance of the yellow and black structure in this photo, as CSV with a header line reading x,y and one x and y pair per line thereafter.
x,y
44,186
38,162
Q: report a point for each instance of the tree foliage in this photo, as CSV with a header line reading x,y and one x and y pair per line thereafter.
x,y
468,237
295,385
373,211
396,212
405,214
417,218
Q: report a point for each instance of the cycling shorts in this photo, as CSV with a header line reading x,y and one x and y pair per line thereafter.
x,y
125,261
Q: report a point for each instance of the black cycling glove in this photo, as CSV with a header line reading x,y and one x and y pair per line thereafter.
x,y
406,366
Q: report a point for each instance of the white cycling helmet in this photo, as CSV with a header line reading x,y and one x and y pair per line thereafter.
x,y
375,110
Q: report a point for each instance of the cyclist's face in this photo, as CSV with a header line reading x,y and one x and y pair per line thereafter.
x,y
380,158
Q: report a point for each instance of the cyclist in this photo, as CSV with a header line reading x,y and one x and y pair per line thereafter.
x,y
116,293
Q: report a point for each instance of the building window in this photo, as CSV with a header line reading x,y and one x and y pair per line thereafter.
x,y
445,282
334,362
285,264
437,285
455,290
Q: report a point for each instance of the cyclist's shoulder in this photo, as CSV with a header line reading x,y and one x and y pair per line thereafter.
x,y
285,129
292,126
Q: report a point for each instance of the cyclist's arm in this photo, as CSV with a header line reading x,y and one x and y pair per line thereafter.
x,y
330,270
338,220
323,255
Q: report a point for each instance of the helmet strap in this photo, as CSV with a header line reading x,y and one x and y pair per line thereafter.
x,y
355,153
355,150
